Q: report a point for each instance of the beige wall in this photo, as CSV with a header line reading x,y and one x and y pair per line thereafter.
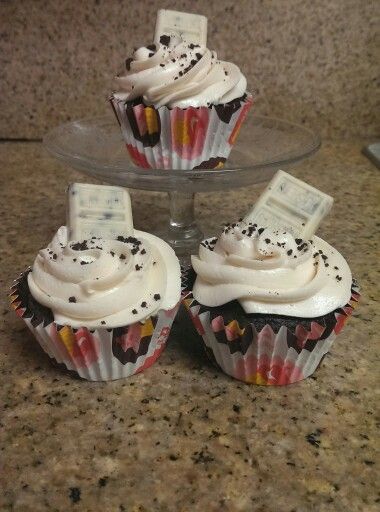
x,y
313,61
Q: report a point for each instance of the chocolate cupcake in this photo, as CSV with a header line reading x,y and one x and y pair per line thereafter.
x,y
179,106
103,308
267,305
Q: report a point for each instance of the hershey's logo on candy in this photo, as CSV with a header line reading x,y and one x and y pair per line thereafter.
x,y
98,210
291,204
192,27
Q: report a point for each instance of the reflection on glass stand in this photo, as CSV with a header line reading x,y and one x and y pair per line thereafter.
x,y
183,234
95,147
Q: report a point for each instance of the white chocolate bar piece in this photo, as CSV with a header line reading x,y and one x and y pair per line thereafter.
x,y
290,204
192,27
98,210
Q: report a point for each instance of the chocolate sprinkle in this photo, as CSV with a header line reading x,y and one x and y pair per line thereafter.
x,y
165,40
134,311
129,240
72,299
144,304
80,246
252,229
157,296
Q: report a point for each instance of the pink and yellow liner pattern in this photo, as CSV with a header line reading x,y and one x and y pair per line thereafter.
x,y
175,138
267,356
94,354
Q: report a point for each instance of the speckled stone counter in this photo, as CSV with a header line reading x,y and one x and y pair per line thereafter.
x,y
310,62
182,436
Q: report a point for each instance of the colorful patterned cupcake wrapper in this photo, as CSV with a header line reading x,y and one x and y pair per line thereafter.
x,y
178,138
97,355
267,356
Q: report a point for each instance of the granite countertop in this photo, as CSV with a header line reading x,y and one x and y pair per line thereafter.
x,y
325,74
182,436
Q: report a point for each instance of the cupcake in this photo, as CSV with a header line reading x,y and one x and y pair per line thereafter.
x,y
178,106
103,308
268,305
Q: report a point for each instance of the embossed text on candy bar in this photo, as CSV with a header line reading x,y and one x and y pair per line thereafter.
x,y
193,27
298,196
89,230
98,210
291,204
265,218
112,199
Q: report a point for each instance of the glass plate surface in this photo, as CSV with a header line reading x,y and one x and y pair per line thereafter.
x,y
95,146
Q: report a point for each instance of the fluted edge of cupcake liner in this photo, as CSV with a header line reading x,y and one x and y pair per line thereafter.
x,y
266,356
175,138
94,354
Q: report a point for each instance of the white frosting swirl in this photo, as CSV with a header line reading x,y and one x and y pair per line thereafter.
x,y
271,272
105,283
177,74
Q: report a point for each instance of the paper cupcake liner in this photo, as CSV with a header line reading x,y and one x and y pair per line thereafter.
x,y
164,138
95,354
265,352
187,280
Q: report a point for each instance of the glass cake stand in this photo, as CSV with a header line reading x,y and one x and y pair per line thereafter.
x,y
95,147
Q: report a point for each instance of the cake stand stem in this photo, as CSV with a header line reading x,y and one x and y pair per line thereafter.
x,y
183,233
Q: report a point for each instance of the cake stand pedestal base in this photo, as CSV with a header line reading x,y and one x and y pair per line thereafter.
x,y
182,233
